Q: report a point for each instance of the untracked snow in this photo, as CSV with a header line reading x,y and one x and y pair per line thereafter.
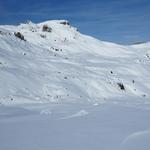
x,y
62,90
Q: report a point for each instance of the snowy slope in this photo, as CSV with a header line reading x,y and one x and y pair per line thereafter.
x,y
62,90
65,65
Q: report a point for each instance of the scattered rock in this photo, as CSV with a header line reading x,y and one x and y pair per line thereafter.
x,y
147,55
65,23
111,72
19,35
121,86
65,78
46,28
56,49
43,36
144,95
1,32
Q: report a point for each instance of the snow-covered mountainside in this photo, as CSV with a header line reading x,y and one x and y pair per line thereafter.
x,y
62,90
53,62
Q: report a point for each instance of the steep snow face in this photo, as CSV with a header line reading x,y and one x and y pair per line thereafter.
x,y
53,62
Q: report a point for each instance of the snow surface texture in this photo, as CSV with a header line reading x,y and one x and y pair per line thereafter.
x,y
62,90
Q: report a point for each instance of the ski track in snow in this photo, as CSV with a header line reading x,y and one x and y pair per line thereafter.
x,y
137,141
78,114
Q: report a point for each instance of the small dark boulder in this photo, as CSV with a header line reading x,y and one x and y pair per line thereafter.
x,y
19,35
65,78
65,23
111,72
121,86
43,36
46,28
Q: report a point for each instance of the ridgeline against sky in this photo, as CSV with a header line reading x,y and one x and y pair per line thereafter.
x,y
120,21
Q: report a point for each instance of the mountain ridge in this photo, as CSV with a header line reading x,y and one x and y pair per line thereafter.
x,y
57,63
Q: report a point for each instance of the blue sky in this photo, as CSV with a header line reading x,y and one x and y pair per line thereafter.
x,y
120,21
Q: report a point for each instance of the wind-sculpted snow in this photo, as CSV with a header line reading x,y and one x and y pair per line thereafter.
x,y
74,126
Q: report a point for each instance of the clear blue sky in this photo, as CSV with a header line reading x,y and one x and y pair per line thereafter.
x,y
120,21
